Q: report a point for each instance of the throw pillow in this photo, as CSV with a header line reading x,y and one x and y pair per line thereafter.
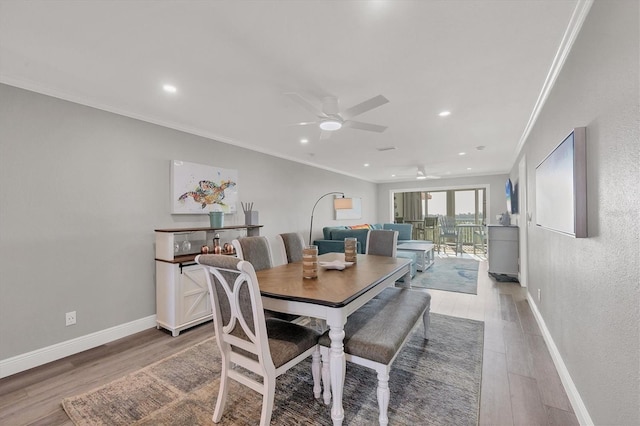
x,y
363,226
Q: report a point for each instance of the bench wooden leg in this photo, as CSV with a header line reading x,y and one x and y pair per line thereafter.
x,y
383,395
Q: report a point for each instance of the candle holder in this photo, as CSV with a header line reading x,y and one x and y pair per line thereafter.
x,y
310,261
351,249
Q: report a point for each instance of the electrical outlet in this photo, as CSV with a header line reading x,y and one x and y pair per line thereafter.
x,y
70,318
538,295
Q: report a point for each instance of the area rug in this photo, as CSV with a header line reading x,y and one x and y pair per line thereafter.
x,y
432,383
459,275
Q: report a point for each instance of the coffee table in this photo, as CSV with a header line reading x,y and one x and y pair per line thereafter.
x,y
425,253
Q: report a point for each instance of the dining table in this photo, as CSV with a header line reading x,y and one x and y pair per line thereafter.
x,y
332,296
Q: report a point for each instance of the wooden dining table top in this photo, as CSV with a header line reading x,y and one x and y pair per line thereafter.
x,y
332,287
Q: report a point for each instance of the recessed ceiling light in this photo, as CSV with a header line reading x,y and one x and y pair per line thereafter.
x,y
366,164
393,175
169,88
462,153
304,140
468,168
444,113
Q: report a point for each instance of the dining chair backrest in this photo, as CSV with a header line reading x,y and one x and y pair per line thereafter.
x,y
382,242
278,254
255,250
264,346
236,304
293,245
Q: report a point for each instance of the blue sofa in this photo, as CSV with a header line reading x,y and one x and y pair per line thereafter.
x,y
333,241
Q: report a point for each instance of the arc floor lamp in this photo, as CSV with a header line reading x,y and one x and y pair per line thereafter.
x,y
341,203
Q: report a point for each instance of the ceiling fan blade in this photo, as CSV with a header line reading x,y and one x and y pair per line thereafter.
x,y
305,104
364,126
305,123
365,106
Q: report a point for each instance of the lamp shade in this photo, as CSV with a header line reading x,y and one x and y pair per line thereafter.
x,y
342,203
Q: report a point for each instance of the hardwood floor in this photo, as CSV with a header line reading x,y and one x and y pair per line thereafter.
x,y
520,385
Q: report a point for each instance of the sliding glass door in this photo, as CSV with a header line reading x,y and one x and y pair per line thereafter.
x,y
465,205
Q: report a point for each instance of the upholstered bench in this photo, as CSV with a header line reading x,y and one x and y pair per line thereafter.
x,y
375,334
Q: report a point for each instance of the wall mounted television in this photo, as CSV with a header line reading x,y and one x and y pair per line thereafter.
x,y
561,187
511,191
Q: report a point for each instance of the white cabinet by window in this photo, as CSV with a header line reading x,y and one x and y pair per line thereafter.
x,y
182,295
502,249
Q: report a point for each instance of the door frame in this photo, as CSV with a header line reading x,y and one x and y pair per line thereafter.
x,y
523,223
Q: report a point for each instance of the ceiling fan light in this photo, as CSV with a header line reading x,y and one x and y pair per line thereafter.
x,y
330,125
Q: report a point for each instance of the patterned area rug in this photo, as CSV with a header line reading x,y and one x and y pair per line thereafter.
x,y
432,383
459,275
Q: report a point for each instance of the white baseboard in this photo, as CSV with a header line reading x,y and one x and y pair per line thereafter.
x,y
60,350
572,392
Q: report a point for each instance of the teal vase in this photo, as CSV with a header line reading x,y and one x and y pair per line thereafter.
x,y
216,219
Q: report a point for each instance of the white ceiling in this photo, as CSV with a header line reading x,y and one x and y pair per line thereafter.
x,y
233,61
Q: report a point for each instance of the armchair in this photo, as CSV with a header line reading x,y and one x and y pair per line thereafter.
x,y
448,233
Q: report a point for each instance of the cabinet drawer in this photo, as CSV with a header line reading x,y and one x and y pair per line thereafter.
x,y
503,233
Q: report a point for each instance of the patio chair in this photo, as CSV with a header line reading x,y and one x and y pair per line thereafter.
x,y
431,231
448,233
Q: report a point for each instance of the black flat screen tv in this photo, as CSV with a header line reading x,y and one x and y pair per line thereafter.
x,y
561,187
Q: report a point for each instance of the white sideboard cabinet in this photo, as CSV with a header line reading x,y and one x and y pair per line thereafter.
x,y
182,295
502,249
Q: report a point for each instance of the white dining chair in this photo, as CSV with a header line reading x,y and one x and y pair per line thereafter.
x,y
266,347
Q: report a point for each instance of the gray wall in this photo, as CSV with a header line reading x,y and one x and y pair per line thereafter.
x,y
81,191
495,184
590,286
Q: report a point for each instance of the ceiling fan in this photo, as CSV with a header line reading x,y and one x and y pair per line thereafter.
x,y
420,174
330,118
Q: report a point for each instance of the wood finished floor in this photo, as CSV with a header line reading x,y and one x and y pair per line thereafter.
x,y
520,385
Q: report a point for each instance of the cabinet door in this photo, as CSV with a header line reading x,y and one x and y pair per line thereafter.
x,y
194,294
502,250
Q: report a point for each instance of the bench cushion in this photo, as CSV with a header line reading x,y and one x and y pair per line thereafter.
x,y
377,330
